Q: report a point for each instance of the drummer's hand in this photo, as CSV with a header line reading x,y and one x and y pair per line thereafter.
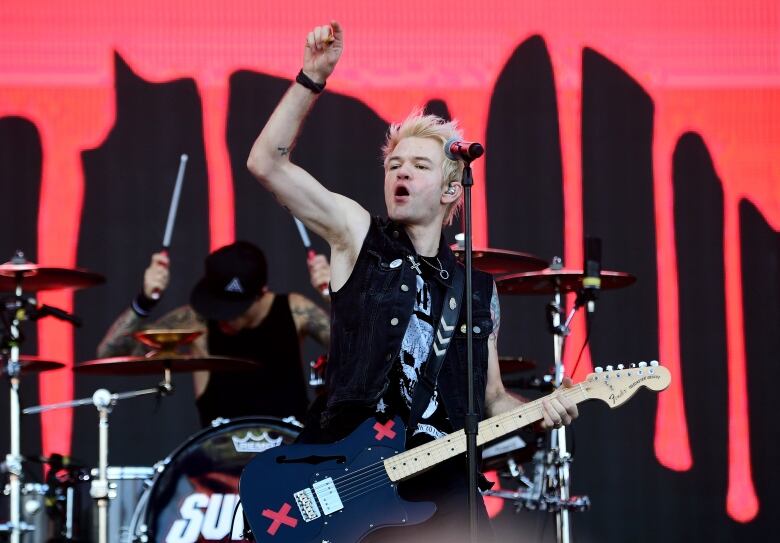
x,y
319,274
157,275
324,45
558,409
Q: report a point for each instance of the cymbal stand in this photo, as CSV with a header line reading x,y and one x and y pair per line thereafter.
x,y
105,401
13,460
558,459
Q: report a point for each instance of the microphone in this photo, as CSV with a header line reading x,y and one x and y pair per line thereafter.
x,y
591,280
463,150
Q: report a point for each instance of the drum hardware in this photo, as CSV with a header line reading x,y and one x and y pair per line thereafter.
x,y
36,278
34,364
317,371
167,364
551,488
104,401
514,364
500,261
539,384
167,341
19,277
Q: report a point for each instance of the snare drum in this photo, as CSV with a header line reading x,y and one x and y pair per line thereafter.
x,y
194,495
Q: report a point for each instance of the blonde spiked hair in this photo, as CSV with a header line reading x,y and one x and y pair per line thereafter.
x,y
420,125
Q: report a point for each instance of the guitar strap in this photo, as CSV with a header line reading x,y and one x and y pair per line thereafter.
x,y
441,342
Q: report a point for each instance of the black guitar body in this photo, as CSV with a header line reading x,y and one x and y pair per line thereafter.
x,y
334,493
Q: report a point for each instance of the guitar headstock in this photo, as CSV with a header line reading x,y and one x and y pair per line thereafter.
x,y
615,386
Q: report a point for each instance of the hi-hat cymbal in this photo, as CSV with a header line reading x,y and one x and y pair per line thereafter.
x,y
167,339
141,365
514,364
501,261
34,277
34,364
550,281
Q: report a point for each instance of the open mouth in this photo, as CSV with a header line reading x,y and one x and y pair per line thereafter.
x,y
401,191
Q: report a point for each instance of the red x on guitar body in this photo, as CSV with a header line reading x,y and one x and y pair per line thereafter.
x,y
384,430
279,518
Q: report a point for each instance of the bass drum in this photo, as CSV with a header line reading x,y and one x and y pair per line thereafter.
x,y
194,496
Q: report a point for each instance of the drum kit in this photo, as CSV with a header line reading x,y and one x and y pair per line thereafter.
x,y
192,495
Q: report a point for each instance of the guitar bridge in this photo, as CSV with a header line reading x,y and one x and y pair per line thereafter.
x,y
307,505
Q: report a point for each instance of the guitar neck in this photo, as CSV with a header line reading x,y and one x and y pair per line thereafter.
x,y
414,461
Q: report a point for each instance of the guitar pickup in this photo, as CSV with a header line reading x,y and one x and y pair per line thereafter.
x,y
328,496
307,505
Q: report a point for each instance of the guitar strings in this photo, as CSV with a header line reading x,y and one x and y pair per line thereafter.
x,y
352,485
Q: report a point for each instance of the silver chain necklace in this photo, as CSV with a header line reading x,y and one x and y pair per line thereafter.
x,y
444,274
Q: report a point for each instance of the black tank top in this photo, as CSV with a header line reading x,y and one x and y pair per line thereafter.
x,y
277,388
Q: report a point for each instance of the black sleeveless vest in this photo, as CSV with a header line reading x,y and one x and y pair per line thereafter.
x,y
369,316
277,388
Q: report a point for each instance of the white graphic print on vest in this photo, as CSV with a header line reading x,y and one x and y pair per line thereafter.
x,y
415,348
234,286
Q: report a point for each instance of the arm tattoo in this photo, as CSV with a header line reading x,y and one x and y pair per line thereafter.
x,y
283,151
181,317
495,314
119,341
310,319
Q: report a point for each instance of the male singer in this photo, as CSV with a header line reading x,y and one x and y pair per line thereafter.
x,y
389,279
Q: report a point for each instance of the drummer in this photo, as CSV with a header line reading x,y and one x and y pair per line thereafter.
x,y
240,318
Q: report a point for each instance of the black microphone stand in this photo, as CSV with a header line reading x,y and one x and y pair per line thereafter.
x,y
471,419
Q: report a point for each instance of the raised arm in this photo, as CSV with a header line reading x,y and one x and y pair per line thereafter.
x,y
339,220
119,341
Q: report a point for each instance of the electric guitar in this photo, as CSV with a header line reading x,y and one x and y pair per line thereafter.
x,y
338,493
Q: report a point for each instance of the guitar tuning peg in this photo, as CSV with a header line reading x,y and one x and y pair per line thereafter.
x,y
621,366
609,368
643,364
598,369
654,363
632,365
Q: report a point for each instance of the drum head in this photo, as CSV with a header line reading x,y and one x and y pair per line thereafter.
x,y
194,498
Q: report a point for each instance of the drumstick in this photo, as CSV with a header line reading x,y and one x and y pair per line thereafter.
x,y
174,207
309,251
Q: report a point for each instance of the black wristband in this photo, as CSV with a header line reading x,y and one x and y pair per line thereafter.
x,y
142,305
306,81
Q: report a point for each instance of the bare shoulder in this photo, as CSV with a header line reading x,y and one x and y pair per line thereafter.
x,y
181,317
299,303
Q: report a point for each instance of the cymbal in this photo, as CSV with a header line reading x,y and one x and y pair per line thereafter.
x,y
57,460
33,364
500,261
564,280
513,364
167,338
35,277
141,365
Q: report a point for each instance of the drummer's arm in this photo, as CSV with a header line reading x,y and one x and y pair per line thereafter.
x,y
310,319
119,340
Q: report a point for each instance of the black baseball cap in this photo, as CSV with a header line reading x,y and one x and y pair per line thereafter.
x,y
234,279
